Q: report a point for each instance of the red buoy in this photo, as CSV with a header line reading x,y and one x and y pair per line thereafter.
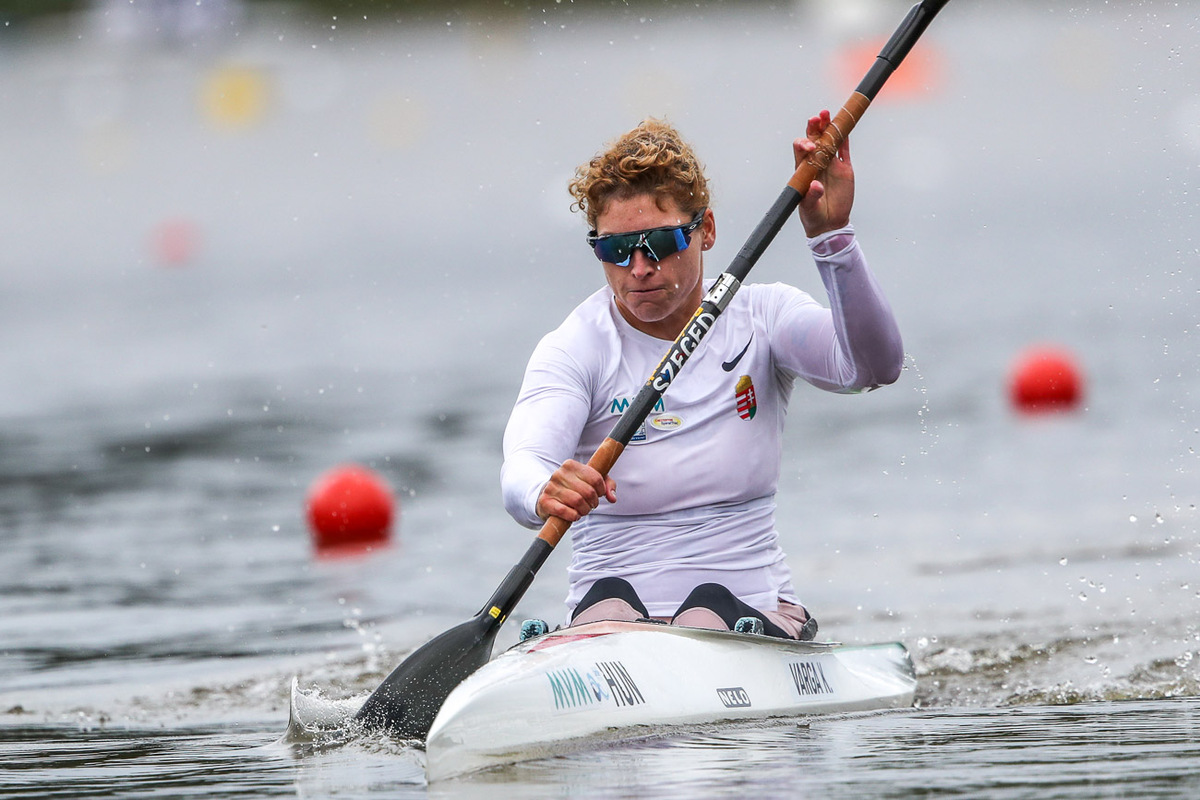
x,y
1045,378
349,505
175,242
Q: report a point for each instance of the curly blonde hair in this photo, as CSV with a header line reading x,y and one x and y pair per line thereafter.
x,y
651,159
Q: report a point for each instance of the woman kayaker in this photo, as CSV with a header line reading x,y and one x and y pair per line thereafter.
x,y
692,537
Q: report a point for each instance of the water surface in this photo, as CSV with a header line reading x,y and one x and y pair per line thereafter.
x,y
206,307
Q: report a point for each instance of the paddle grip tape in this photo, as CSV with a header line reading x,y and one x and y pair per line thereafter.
x,y
827,145
888,60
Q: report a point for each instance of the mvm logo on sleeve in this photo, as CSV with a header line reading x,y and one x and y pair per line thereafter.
x,y
607,681
747,401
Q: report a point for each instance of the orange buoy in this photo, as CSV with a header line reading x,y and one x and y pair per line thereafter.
x,y
1045,378
349,506
921,74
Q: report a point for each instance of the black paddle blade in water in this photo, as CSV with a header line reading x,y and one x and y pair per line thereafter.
x,y
406,702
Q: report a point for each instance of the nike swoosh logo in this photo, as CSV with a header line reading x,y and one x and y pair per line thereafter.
x,y
729,365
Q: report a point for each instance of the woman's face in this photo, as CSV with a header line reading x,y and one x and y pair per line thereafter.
x,y
656,297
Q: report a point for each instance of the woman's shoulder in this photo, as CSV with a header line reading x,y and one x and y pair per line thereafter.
x,y
765,299
589,319
583,333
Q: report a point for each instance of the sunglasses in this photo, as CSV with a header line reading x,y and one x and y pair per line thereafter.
x,y
657,243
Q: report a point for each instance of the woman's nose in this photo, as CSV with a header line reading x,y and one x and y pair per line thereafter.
x,y
640,264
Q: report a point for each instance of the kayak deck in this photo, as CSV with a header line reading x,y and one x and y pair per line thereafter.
x,y
620,680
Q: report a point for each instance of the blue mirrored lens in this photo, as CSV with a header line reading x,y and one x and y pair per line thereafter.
x,y
618,248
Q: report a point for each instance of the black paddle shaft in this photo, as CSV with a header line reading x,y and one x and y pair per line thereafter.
x,y
902,41
407,701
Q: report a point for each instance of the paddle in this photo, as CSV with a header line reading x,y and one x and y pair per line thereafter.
x,y
406,703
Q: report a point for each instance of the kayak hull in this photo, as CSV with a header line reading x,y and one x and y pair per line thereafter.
x,y
621,680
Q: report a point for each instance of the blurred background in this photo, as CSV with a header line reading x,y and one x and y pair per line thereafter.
x,y
243,242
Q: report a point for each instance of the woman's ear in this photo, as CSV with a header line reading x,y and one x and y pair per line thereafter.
x,y
708,230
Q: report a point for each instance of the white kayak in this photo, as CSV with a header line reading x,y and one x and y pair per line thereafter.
x,y
604,681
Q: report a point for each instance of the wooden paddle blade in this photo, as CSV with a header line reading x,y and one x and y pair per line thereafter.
x,y
406,702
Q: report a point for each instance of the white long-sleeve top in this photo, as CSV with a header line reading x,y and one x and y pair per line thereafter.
x,y
696,485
